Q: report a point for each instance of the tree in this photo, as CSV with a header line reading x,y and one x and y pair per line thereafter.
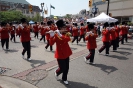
x,y
68,16
9,16
37,18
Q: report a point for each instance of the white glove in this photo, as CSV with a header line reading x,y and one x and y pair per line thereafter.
x,y
21,26
58,32
51,33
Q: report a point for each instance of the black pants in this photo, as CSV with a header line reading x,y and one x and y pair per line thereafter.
x,y
122,39
36,35
99,32
43,37
82,36
27,47
117,42
13,37
105,45
113,42
63,68
3,41
126,38
75,38
91,55
51,48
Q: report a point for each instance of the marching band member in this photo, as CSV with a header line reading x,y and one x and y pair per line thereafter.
x,y
4,35
36,30
117,30
112,37
12,32
91,44
122,32
42,31
75,33
47,29
105,39
82,32
25,38
62,51
126,32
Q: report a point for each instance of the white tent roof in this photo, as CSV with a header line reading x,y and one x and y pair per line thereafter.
x,y
102,18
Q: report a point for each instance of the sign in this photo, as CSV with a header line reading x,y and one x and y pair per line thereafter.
x,y
98,3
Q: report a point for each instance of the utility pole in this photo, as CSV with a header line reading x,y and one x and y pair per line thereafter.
x,y
108,7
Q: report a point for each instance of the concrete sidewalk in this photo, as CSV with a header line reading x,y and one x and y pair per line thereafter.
x,y
9,82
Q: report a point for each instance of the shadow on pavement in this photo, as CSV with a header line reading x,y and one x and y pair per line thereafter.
x,y
34,46
81,44
77,85
35,63
125,48
105,68
118,57
11,51
73,48
124,53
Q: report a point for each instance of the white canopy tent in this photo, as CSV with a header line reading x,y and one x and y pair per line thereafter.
x,y
102,18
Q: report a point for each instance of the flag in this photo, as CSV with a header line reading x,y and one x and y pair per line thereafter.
x,y
46,10
52,7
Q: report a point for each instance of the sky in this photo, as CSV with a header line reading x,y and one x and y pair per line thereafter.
x,y
62,7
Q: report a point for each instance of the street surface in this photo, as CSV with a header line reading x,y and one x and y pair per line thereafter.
x,y
113,71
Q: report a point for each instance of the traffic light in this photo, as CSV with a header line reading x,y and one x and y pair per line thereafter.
x,y
90,3
30,8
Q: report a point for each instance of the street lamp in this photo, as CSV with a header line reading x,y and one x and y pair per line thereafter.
x,y
42,5
107,5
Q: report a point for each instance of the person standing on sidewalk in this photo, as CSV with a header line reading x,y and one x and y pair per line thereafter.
x,y
4,31
105,39
24,30
62,51
91,44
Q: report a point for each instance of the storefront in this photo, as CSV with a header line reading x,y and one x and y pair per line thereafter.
x,y
120,9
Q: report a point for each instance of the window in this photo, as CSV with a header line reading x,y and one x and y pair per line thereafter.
x,y
27,11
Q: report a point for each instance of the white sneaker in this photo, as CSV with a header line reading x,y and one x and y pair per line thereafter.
x,y
106,54
92,63
29,59
56,77
65,82
7,49
23,56
86,61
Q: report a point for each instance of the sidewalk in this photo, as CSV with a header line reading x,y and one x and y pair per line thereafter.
x,y
8,82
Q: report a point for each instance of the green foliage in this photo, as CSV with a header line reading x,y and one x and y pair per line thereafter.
x,y
68,16
37,18
9,16
129,23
